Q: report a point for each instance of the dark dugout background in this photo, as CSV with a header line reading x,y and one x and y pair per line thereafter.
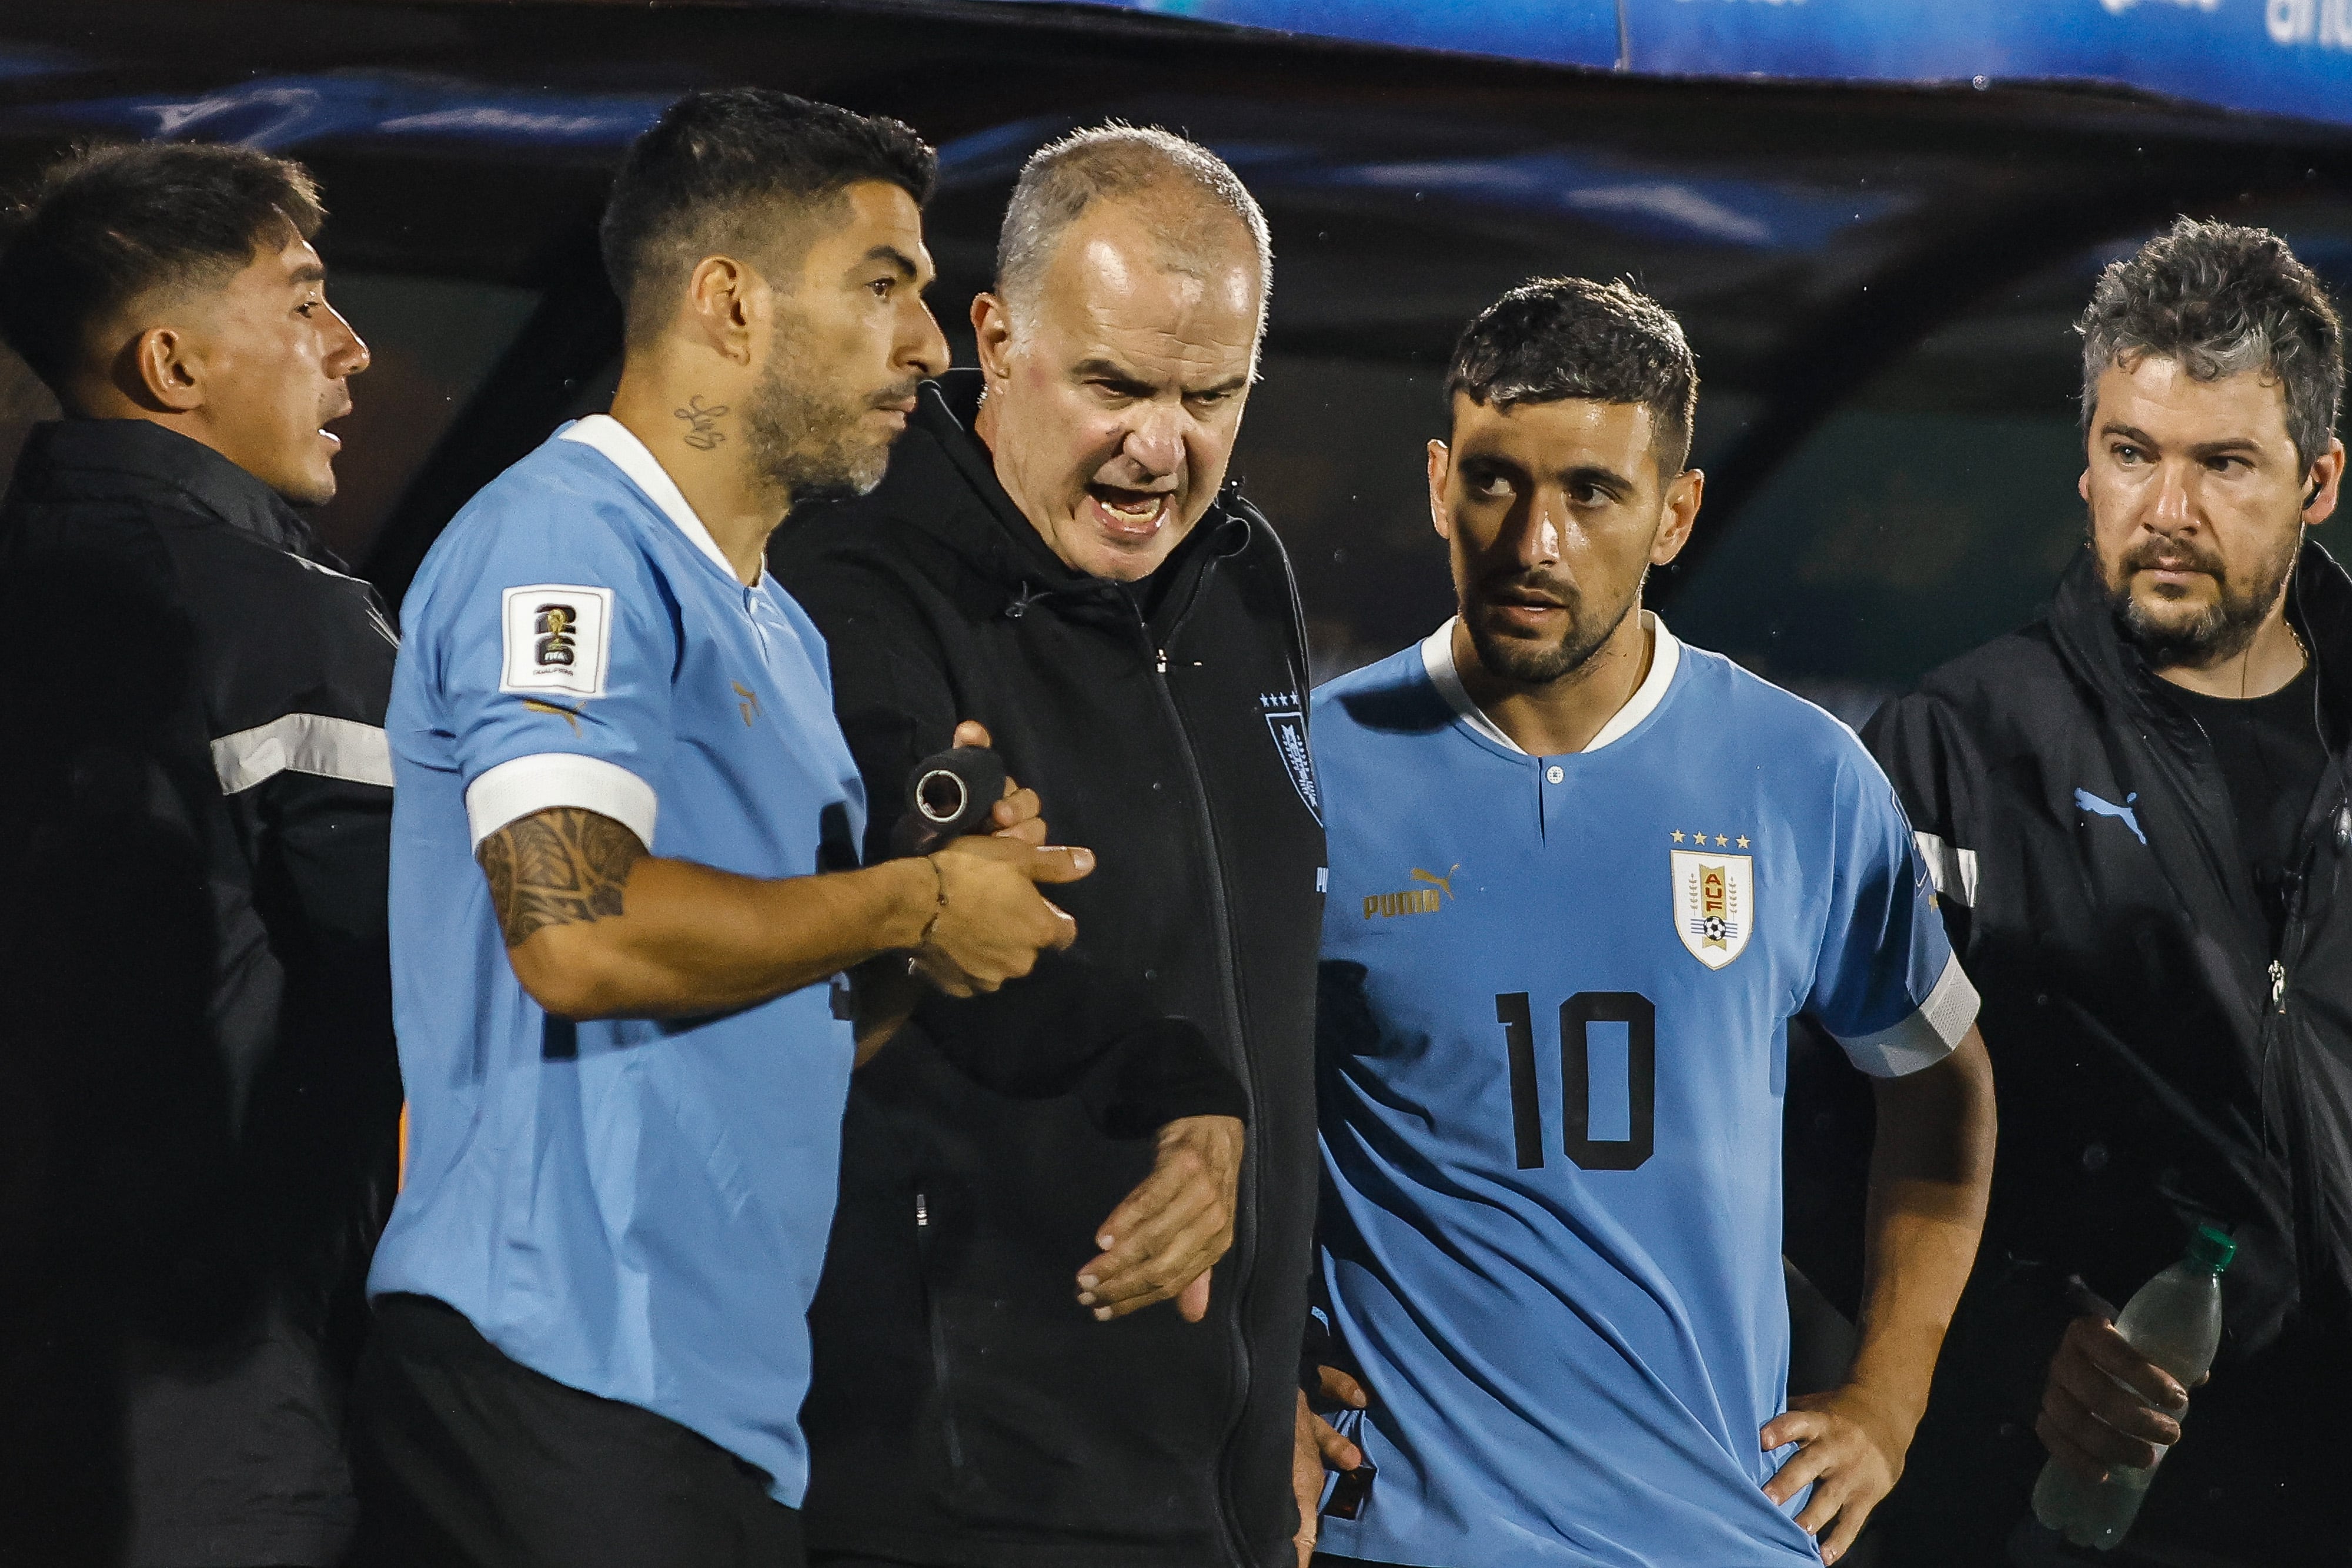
x,y
1879,280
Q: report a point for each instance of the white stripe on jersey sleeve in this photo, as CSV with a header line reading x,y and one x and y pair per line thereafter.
x,y
311,743
1954,870
1927,1036
513,790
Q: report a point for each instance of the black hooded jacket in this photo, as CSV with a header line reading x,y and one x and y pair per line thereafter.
x,y
965,1409
203,1094
2159,1066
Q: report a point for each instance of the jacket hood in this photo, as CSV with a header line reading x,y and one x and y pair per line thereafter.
x,y
2319,602
137,460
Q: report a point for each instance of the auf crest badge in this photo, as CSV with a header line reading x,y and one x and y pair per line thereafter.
x,y
1715,904
1286,718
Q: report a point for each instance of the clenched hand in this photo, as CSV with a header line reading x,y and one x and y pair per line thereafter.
x,y
2105,1403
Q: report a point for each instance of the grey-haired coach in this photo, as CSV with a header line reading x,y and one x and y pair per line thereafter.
x,y
1024,1356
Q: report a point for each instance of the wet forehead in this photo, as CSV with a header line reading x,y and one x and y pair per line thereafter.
x,y
1113,289
2160,399
1555,437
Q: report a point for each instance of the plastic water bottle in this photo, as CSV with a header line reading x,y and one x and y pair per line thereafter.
x,y
2175,1320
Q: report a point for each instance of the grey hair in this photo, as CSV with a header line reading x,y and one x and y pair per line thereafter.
x,y
1114,162
2220,300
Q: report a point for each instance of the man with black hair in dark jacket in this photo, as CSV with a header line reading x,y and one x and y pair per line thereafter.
x,y
2136,812
1050,554
203,1100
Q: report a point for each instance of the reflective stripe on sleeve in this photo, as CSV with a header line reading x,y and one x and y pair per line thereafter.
x,y
1927,1036
1954,870
513,790
303,743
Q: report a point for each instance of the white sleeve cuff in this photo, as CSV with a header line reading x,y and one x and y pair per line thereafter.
x,y
513,790
309,743
1927,1036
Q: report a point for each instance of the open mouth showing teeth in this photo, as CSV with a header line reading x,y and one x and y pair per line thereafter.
x,y
1128,514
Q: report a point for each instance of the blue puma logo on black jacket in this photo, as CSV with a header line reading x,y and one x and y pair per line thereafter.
x,y
2122,813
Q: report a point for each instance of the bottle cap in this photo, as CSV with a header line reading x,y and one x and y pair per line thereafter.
x,y
2211,1248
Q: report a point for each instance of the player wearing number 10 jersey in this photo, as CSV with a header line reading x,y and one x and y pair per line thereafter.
x,y
1581,878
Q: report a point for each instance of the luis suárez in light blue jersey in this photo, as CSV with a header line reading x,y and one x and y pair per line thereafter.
x,y
1556,993
633,1208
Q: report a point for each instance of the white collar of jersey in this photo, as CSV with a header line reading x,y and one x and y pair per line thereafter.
x,y
1665,654
632,458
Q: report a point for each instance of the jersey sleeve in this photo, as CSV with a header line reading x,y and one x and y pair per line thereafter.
x,y
554,653
1886,985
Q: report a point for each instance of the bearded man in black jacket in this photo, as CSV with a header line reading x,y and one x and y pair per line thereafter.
x,y
2135,809
1054,555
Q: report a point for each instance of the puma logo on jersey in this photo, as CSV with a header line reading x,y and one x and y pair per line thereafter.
x,y
1413,900
1445,882
2122,813
747,702
569,716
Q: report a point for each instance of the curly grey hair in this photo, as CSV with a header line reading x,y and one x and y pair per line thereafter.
x,y
2220,300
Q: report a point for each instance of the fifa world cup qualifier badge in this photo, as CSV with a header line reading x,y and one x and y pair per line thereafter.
x,y
1714,903
1286,718
557,637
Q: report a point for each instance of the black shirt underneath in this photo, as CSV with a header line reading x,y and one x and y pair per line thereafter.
x,y
2273,750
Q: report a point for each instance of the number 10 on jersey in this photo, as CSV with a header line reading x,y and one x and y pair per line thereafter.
x,y
1577,1017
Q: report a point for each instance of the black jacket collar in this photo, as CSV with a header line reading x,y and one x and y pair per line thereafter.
x,y
997,540
137,460
2319,601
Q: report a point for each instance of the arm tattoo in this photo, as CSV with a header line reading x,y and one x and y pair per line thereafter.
x,y
563,866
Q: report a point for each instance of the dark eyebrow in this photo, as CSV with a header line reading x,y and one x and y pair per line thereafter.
x,y
1229,385
309,272
1599,478
896,258
2227,445
1106,369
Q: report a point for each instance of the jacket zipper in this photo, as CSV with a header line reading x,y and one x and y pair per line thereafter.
x,y
939,1334
2304,1212
1229,987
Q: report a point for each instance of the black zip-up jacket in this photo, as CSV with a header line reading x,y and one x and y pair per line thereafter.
x,y
203,1094
965,1409
2158,1064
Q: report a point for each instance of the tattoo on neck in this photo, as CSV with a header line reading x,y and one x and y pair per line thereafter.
x,y
563,866
702,419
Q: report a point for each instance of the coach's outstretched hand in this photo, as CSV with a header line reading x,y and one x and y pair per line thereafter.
x,y
1160,1242
1851,1444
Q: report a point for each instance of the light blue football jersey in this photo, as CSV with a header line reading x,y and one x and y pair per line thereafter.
x,y
1553,1051
637,1208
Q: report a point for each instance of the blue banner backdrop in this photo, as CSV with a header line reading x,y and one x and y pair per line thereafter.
x,y
2269,57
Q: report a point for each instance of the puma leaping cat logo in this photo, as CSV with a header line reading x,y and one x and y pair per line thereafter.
x,y
1445,882
2122,813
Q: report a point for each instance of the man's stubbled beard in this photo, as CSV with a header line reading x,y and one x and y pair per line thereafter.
x,y
2217,632
815,446
1527,662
